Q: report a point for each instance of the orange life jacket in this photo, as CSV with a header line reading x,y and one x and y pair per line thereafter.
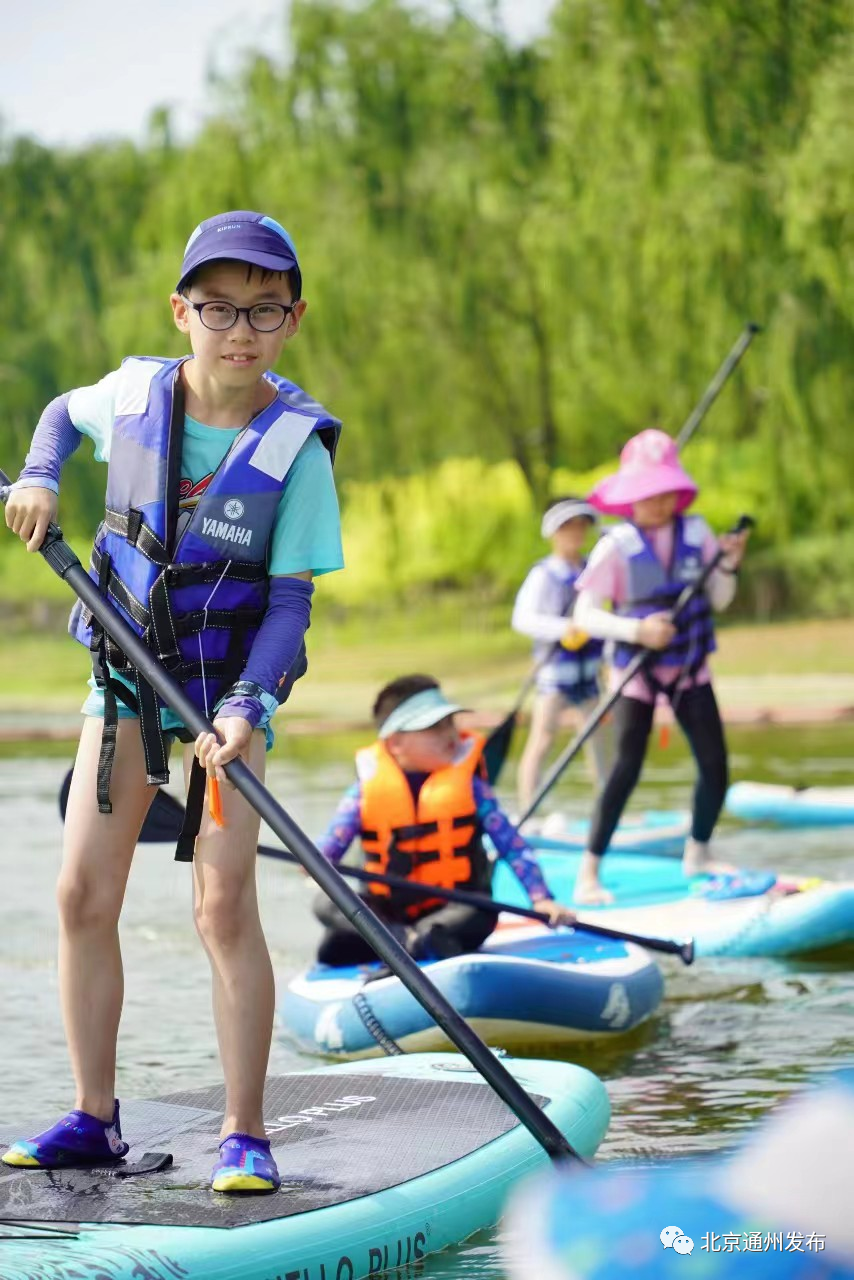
x,y
434,841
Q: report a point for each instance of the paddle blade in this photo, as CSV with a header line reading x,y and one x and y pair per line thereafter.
x,y
163,822
497,747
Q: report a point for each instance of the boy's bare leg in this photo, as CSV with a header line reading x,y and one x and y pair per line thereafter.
x,y
544,721
97,853
229,925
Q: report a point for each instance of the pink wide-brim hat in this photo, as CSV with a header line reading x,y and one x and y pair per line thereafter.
x,y
649,466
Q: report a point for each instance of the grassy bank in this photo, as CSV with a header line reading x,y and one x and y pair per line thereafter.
x,y
471,649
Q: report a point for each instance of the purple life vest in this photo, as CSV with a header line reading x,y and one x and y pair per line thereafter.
x,y
567,667
197,593
653,588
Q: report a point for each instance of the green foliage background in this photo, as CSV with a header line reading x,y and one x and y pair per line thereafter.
x,y
514,258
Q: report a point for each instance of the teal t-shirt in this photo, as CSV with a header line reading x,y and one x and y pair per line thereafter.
x,y
307,531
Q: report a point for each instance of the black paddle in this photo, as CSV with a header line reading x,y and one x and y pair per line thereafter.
x,y
497,746
638,662
498,743
165,819
66,565
717,383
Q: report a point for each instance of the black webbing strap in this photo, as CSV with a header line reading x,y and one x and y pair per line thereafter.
x,y
186,846
190,624
174,455
194,575
130,525
163,624
98,650
109,583
153,739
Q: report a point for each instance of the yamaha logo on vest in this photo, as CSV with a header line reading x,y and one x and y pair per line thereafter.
x,y
222,531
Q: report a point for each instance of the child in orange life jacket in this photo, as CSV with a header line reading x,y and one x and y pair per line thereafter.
x,y
567,660
421,807
640,567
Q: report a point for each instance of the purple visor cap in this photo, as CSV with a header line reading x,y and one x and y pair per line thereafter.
x,y
241,236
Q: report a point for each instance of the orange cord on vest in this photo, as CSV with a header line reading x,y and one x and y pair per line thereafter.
x,y
664,736
215,802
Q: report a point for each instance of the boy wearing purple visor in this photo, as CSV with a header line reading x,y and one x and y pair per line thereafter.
x,y
220,509
421,806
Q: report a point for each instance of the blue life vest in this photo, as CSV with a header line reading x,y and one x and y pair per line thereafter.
x,y
574,671
196,594
654,588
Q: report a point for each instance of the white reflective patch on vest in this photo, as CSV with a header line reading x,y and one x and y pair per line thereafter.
x,y
366,764
281,443
134,386
628,539
693,531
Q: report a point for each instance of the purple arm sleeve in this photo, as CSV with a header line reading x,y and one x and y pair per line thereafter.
x,y
274,648
54,440
345,826
508,843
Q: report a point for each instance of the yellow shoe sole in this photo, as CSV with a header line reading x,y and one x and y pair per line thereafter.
x,y
20,1160
240,1182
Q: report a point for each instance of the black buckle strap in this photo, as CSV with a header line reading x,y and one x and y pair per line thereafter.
x,y
415,831
418,830
109,583
163,624
192,575
214,669
131,525
190,624
464,820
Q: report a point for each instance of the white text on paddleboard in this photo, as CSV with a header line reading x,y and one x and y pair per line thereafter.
x,y
309,1114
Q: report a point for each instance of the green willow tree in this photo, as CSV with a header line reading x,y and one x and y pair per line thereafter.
x,y
520,253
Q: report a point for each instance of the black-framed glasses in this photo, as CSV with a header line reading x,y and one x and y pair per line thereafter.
x,y
265,317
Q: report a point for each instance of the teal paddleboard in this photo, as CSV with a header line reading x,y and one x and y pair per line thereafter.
x,y
735,913
382,1162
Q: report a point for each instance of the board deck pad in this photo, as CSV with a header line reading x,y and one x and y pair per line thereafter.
x,y
335,1136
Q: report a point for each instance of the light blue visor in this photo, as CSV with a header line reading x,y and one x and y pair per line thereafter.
x,y
421,711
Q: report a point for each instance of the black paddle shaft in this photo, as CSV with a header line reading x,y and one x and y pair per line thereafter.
x,y
165,820
638,662
717,383
66,565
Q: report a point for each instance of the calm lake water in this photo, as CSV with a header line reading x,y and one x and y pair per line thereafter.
x,y
731,1038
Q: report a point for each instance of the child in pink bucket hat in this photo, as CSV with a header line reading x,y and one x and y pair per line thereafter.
x,y
638,569
649,466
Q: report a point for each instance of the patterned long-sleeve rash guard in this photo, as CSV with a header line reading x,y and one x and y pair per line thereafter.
x,y
347,823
